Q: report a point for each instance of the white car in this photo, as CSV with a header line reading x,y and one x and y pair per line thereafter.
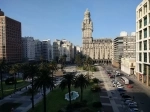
x,y
120,86
127,102
132,103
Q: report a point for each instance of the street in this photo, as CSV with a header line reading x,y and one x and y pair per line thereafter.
x,y
139,92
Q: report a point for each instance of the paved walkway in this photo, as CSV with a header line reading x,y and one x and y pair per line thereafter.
x,y
23,99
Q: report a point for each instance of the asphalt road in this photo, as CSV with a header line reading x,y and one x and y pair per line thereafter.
x,y
139,93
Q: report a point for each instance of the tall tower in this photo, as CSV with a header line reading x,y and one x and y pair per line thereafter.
x,y
87,29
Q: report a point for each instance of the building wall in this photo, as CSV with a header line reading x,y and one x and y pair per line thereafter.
x,y
127,64
10,39
143,40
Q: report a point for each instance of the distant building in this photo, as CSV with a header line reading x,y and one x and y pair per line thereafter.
x,y
100,50
78,49
123,47
28,48
38,49
46,50
10,39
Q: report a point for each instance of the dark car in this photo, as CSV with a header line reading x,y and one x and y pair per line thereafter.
x,y
111,76
126,96
121,94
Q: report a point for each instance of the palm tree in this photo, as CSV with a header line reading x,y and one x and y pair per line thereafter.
x,y
81,82
88,63
67,81
30,70
53,67
44,81
2,69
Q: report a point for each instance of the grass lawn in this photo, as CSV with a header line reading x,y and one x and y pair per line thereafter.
x,y
6,107
56,100
9,89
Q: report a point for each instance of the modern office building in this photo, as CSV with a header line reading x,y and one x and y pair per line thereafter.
x,y
10,39
143,42
28,48
100,50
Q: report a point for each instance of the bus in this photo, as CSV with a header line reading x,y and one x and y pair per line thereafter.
x,y
125,80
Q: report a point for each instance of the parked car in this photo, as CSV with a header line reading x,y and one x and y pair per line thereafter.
x,y
130,86
122,94
133,103
126,96
118,86
133,110
127,102
111,76
132,106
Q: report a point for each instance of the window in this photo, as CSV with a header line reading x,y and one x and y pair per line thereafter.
x,y
149,57
149,44
145,33
145,45
140,56
145,57
140,68
145,21
140,24
144,71
140,46
145,8
140,35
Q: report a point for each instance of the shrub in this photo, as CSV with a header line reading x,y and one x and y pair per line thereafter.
x,y
10,80
95,88
95,80
85,109
97,104
79,104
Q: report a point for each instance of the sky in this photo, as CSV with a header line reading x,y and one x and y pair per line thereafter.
x,y
62,19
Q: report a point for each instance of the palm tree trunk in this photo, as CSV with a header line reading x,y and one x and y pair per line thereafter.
x,y
15,83
32,92
52,80
69,90
44,97
2,93
81,93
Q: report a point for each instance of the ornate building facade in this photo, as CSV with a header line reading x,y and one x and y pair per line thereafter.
x,y
100,50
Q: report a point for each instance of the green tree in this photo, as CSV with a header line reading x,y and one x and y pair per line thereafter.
x,y
44,81
13,70
67,81
81,82
3,67
30,70
53,67
88,62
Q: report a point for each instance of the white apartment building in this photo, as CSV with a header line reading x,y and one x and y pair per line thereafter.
x,y
143,41
63,47
28,48
46,50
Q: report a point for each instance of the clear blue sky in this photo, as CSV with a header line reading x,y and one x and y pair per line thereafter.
x,y
61,19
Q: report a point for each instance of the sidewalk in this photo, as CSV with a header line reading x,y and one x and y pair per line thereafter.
x,y
114,99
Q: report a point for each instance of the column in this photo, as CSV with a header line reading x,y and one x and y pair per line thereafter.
x,y
147,73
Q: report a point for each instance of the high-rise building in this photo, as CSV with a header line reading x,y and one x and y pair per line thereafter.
x,y
46,50
123,47
38,49
28,48
10,39
143,42
100,50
